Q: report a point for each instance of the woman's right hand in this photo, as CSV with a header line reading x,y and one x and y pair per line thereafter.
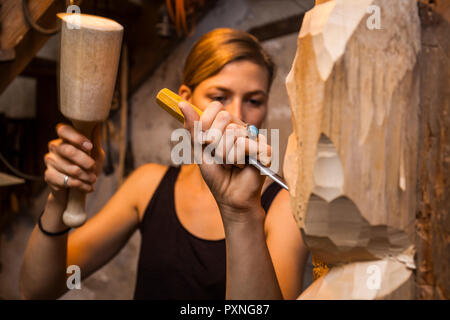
x,y
74,155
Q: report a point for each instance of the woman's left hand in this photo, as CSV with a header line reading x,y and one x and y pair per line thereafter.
x,y
236,187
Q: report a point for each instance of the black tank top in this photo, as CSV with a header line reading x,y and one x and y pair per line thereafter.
x,y
174,263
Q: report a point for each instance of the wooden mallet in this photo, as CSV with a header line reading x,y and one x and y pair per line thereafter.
x,y
90,51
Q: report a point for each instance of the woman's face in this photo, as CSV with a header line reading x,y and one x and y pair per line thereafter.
x,y
241,87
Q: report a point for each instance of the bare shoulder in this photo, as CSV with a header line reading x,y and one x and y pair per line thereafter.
x,y
287,249
280,213
282,196
281,202
143,182
150,171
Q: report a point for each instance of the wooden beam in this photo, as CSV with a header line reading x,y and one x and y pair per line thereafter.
x,y
17,34
146,49
14,26
278,28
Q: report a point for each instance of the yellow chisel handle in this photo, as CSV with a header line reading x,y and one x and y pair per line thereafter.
x,y
168,100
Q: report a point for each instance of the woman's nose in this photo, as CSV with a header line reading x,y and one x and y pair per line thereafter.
x,y
235,108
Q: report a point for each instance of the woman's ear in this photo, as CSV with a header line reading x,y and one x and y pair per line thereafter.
x,y
185,92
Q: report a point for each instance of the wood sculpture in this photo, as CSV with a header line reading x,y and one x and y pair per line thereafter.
x,y
90,51
351,163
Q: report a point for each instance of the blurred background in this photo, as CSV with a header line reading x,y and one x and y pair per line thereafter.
x,y
137,130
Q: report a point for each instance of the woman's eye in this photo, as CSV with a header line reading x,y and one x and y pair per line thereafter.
x,y
255,102
218,98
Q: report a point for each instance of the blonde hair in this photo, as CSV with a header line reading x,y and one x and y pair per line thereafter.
x,y
219,47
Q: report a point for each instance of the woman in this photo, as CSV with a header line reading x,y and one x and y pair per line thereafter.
x,y
186,213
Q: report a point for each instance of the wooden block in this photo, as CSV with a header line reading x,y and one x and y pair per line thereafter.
x,y
351,163
363,281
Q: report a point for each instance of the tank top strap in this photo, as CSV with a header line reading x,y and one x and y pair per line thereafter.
x,y
269,195
171,176
162,193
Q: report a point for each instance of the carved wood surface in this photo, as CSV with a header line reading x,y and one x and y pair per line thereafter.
x,y
351,163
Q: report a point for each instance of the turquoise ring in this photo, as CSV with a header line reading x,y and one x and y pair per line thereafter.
x,y
252,131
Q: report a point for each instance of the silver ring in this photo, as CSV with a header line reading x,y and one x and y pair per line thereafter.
x,y
252,131
66,180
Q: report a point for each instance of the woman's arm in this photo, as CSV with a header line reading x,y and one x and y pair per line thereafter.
x,y
101,238
266,255
237,191
43,272
91,246
44,265
287,249
250,272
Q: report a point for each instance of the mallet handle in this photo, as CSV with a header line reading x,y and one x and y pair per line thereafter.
x,y
75,213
